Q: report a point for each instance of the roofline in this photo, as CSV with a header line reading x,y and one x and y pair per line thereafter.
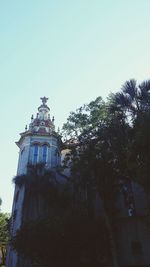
x,y
23,135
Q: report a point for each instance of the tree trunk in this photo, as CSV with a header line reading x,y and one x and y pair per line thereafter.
x,y
113,248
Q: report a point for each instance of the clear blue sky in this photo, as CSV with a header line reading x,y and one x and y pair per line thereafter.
x,y
70,51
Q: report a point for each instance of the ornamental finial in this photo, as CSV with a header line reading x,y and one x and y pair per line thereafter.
x,y
44,100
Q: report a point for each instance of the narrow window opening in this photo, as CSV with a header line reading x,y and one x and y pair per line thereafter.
x,y
35,154
45,149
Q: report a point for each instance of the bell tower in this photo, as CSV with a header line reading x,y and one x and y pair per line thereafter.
x,y
38,144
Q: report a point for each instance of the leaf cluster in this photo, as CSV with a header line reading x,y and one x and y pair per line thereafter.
x,y
67,241
4,235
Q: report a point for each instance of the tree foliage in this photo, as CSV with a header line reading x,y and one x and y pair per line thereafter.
x,y
111,146
108,144
100,155
68,240
66,236
134,102
4,235
99,158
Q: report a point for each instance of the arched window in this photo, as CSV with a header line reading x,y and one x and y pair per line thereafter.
x,y
35,153
45,150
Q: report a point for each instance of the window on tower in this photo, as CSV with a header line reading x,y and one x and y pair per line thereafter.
x,y
35,153
45,150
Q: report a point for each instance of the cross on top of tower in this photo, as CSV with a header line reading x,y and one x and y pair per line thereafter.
x,y
44,100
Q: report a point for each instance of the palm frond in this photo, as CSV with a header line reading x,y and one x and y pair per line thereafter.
x,y
145,86
122,100
130,88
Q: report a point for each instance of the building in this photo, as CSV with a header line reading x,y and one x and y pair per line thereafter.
x,y
39,144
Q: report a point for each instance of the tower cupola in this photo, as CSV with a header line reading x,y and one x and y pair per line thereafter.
x,y
43,109
42,124
39,143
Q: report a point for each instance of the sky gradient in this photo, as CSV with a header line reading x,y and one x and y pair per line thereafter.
x,y
70,51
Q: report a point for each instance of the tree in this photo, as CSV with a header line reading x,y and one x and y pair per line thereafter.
x,y
134,102
4,236
99,156
68,240
85,120
61,236
140,151
133,99
109,144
